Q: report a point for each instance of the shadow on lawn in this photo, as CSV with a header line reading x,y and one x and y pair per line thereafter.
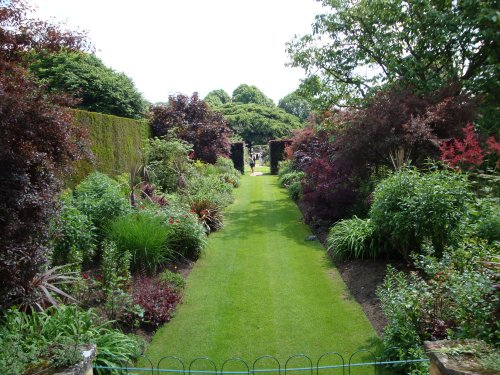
x,y
266,218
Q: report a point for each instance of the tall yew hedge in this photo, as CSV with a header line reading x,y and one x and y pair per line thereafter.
x,y
238,156
276,151
115,142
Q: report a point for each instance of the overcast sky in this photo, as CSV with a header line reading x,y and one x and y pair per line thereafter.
x,y
170,46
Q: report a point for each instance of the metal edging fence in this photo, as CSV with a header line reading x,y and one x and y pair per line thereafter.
x,y
379,364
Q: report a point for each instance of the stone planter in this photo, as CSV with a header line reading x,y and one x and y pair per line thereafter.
x,y
454,357
84,367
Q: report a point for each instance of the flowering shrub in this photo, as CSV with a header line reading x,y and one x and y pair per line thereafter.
x,y
186,236
156,298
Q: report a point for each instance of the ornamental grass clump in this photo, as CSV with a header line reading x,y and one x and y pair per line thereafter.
x,y
352,238
143,234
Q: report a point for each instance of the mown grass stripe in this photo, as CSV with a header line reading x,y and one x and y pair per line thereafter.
x,y
261,289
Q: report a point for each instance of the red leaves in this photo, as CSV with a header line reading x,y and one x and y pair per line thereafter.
x,y
194,122
156,298
467,153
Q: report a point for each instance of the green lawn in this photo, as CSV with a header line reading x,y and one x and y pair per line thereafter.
x,y
260,289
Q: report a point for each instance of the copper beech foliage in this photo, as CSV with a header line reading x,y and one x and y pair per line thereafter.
x,y
190,119
340,155
37,144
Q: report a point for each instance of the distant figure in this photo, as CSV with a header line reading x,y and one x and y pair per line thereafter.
x,y
252,164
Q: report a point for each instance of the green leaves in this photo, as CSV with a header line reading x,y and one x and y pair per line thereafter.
x,y
352,238
257,124
83,75
247,94
410,207
364,45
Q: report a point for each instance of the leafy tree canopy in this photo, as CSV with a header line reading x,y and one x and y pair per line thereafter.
x,y
364,45
190,119
217,97
83,75
250,94
296,105
258,124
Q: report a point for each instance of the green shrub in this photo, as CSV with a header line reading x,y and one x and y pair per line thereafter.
x,y
115,284
486,219
410,207
204,169
276,151
123,180
287,179
352,238
238,156
209,212
40,340
285,166
402,297
450,297
173,279
116,143
99,197
227,172
186,236
211,188
75,236
168,162
295,190
143,234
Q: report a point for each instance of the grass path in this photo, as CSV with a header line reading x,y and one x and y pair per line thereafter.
x,y
260,288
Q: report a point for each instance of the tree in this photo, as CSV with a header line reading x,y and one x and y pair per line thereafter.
x,y
258,124
350,146
250,94
191,120
217,98
361,46
83,75
38,142
296,105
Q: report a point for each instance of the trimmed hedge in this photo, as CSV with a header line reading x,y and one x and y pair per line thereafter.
x,y
115,142
238,156
276,150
